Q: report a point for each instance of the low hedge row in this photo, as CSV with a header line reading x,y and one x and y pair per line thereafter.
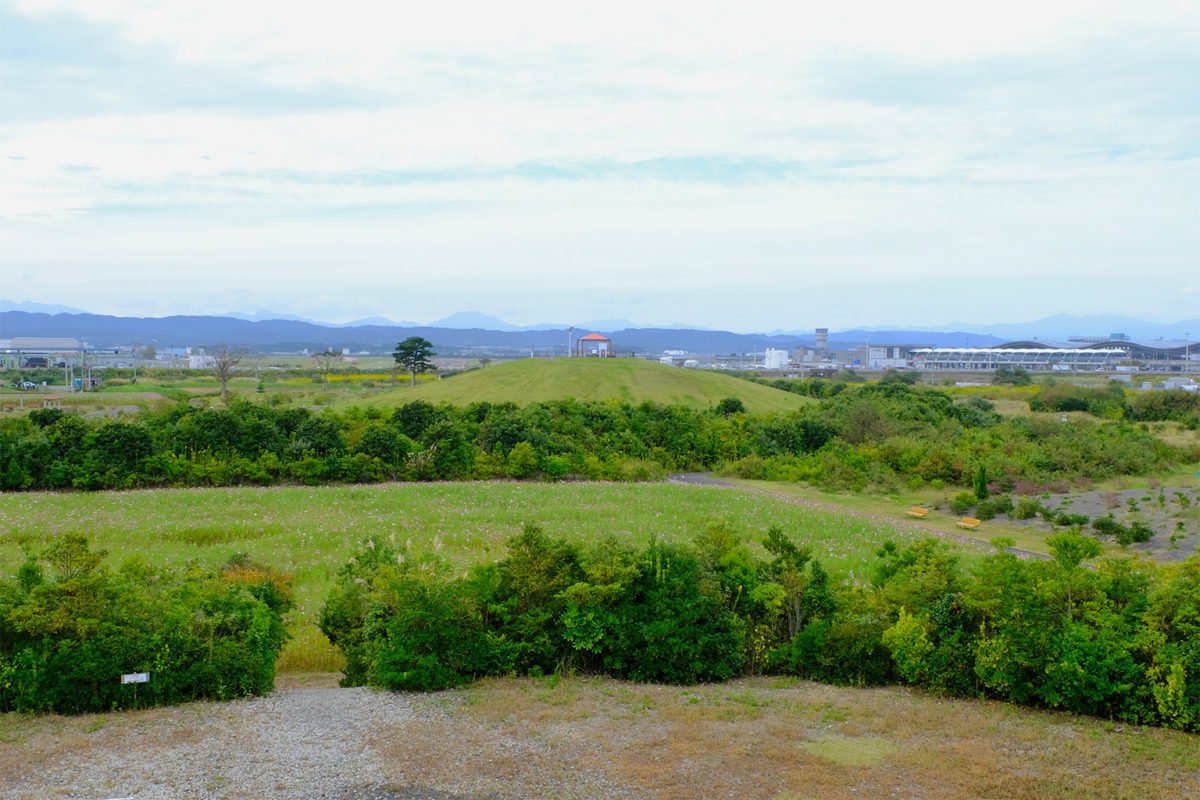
x,y
69,628
1121,640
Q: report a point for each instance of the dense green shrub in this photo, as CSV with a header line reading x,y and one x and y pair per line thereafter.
x,y
1109,402
673,625
994,506
435,638
963,502
69,628
1028,508
1172,404
881,436
1135,532
730,406
1117,640
404,622
527,598
846,647
1012,376
1068,520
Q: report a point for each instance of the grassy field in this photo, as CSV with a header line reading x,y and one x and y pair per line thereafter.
x,y
311,532
1030,534
629,379
893,507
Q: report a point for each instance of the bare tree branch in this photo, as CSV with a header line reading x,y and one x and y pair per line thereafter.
x,y
223,361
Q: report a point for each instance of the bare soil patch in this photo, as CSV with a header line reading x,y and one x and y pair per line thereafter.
x,y
1172,512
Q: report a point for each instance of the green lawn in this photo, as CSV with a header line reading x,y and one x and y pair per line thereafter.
x,y
629,379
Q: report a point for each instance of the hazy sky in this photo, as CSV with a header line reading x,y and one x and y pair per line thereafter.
x,y
747,166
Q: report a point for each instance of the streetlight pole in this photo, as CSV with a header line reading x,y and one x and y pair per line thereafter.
x,y
570,331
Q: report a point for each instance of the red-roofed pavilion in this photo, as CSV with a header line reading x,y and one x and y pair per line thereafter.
x,y
593,345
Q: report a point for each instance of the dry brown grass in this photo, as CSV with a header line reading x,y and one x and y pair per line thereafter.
x,y
1175,434
777,739
596,738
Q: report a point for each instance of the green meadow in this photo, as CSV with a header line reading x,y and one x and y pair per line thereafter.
x,y
311,532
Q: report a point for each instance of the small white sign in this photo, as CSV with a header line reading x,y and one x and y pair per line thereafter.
x,y
136,677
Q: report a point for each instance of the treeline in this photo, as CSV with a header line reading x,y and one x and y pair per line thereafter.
x,y
890,434
1111,402
1120,641
884,435
70,628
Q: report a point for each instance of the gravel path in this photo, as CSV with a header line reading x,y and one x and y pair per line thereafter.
x,y
294,743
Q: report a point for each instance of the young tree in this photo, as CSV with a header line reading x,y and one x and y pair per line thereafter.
x,y
225,359
325,361
730,406
414,354
980,483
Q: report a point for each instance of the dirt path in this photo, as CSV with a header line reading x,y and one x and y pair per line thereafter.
x,y
707,479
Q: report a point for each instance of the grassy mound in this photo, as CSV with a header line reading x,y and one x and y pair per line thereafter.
x,y
629,379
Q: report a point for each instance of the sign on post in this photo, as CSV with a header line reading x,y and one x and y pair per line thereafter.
x,y
136,677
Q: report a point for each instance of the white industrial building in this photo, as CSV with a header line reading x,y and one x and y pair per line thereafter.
x,y
1030,358
775,359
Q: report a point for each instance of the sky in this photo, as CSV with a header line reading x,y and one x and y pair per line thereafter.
x,y
746,166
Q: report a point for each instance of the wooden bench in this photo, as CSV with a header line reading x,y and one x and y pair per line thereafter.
x,y
970,523
917,512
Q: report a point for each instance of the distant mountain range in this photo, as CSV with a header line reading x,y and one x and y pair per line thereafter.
x,y
463,320
473,332
293,335
36,308
474,319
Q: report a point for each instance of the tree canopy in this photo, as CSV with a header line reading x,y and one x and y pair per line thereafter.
x,y
415,354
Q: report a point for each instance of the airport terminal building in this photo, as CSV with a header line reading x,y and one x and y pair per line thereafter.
x,y
1080,355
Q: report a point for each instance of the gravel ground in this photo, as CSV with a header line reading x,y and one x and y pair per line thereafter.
x,y
294,743
591,739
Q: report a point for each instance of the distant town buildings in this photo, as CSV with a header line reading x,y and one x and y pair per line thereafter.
x,y
1115,354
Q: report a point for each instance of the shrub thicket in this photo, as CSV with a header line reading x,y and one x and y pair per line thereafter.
x,y
1172,404
1108,402
1134,532
1118,640
883,435
69,628
404,622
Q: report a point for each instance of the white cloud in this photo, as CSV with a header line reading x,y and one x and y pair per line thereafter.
x,y
893,147
367,37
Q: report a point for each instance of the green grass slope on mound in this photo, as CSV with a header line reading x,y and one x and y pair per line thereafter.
x,y
629,379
